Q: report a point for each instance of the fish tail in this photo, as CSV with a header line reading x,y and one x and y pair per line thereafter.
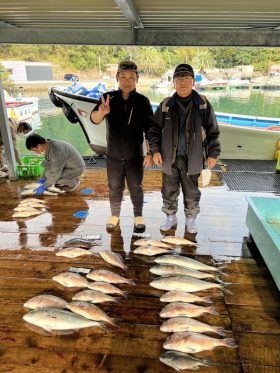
x,y
225,290
229,342
105,327
219,330
206,362
223,282
212,310
112,322
130,282
116,300
124,294
206,300
220,270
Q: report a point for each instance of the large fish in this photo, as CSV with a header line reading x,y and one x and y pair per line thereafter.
x,y
28,200
186,262
106,288
52,319
31,192
182,296
90,311
187,324
108,276
94,296
26,214
45,301
181,361
185,309
184,283
145,242
70,280
80,242
73,252
174,270
28,208
35,205
150,250
191,342
113,259
173,240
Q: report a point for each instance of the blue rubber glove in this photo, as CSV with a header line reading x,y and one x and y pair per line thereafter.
x,y
41,181
39,191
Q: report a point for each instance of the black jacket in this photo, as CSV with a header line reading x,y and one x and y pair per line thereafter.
x,y
163,134
127,121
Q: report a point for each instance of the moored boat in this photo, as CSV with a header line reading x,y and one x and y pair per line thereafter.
x,y
242,136
21,108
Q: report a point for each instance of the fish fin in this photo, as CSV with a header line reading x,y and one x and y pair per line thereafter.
x,y
229,342
219,330
212,310
206,300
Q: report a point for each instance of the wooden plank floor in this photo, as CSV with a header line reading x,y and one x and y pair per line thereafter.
x,y
28,262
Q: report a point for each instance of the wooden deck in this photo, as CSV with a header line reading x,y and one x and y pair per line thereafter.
x,y
28,262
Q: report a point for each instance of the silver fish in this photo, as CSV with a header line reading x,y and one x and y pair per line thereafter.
x,y
181,361
184,283
150,250
90,311
186,262
187,324
31,192
70,279
185,309
28,208
108,276
26,214
190,342
27,200
73,252
52,188
173,240
112,258
45,301
106,288
174,270
52,319
182,296
94,296
145,242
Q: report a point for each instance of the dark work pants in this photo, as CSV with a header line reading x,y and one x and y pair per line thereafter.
x,y
171,190
118,172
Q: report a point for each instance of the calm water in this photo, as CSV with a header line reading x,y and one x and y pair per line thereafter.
x,y
244,101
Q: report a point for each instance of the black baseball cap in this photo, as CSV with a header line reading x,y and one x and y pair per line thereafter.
x,y
183,69
127,65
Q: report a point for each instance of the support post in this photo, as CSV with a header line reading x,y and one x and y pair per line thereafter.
x,y
7,137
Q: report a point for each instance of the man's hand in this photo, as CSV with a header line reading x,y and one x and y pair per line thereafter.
x,y
211,162
40,190
157,159
148,161
104,108
41,181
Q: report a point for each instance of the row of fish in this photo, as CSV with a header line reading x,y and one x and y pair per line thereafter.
x,y
29,207
182,276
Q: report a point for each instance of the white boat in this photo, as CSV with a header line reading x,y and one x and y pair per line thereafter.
x,y
21,108
212,84
238,83
242,136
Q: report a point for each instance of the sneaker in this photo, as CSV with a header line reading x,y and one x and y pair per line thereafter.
x,y
67,188
169,223
139,222
112,222
191,225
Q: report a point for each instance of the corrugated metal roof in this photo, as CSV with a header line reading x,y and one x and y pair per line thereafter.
x,y
147,15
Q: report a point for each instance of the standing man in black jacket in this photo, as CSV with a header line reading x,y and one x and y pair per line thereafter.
x,y
183,138
128,115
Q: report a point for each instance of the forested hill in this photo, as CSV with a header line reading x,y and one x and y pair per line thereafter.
x,y
151,60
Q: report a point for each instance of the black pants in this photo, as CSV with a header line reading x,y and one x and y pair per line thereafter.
x,y
171,190
118,172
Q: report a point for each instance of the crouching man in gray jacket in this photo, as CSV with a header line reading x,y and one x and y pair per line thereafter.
x,y
184,137
63,164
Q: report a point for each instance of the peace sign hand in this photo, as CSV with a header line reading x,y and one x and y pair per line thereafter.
x,y
104,107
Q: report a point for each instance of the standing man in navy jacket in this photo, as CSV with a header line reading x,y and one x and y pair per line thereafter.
x,y
128,116
184,136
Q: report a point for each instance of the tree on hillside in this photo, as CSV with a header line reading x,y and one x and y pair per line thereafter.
x,y
149,60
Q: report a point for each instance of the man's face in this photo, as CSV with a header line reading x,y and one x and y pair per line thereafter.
x,y
39,149
183,85
127,80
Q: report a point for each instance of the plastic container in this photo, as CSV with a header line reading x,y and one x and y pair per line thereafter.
x,y
32,167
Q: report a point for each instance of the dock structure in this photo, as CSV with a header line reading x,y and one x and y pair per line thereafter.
x,y
250,314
